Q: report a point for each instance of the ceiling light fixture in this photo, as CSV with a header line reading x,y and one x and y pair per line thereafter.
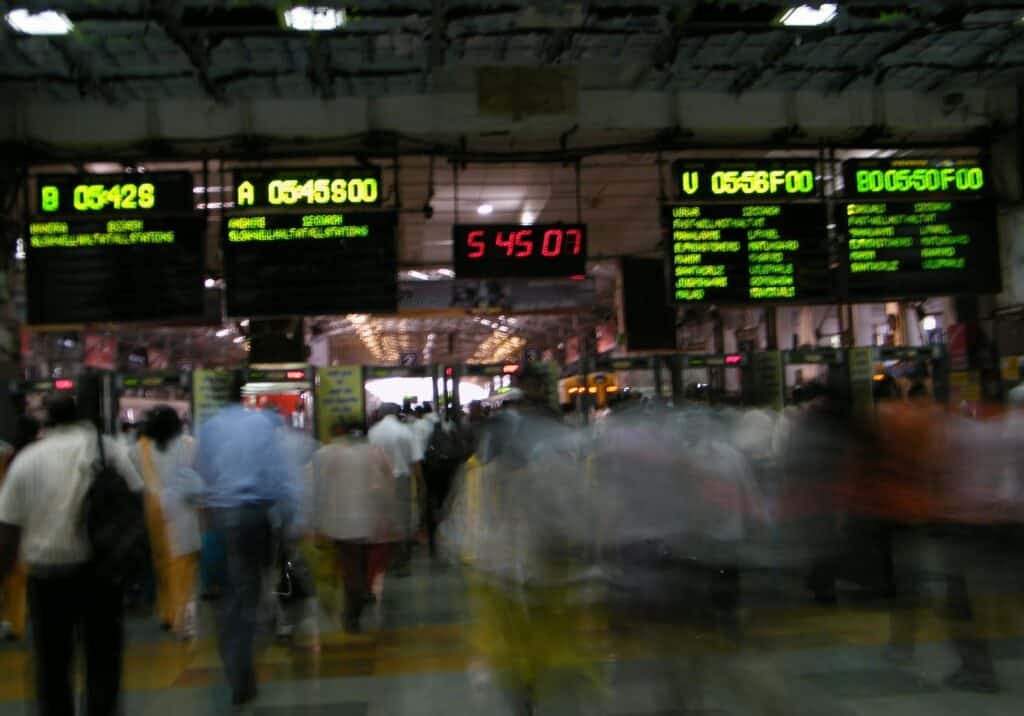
x,y
809,15
314,19
485,210
210,283
447,273
223,333
528,218
47,22
419,275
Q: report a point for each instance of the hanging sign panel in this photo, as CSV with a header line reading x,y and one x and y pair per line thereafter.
x,y
915,176
485,251
312,187
295,264
113,194
124,269
736,253
918,226
743,179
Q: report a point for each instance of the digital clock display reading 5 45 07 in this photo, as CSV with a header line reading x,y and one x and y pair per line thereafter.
x,y
517,250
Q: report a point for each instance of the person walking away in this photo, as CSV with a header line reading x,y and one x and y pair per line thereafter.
x,y
405,454
249,494
41,506
12,590
442,457
354,505
164,456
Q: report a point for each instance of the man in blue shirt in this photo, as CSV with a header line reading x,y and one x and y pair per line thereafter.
x,y
250,495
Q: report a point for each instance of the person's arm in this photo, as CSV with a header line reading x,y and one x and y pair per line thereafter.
x,y
118,457
12,517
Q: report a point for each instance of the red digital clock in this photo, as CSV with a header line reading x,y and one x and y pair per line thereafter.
x,y
518,251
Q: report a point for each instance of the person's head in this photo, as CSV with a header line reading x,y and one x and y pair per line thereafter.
x,y
162,425
427,408
918,393
61,409
533,383
419,412
390,409
26,431
347,428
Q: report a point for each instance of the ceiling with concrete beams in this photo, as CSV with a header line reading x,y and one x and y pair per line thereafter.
x,y
136,49
609,66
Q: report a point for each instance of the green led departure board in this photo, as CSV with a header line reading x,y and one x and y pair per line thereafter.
x,y
901,248
735,253
113,194
100,270
319,187
743,179
295,263
915,176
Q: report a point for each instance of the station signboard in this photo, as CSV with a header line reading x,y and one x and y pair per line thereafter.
x,y
296,263
151,193
917,226
749,252
99,269
306,187
484,251
745,179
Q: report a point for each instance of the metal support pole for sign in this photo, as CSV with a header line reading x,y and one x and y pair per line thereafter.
x,y
676,364
433,386
771,328
455,190
398,184
656,361
456,402
579,193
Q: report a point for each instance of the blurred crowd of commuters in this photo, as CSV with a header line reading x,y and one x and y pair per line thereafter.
x,y
659,510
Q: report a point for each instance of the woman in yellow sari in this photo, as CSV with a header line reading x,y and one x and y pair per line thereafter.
x,y
164,458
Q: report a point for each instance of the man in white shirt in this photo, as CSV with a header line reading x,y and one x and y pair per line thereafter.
x,y
405,453
40,512
354,507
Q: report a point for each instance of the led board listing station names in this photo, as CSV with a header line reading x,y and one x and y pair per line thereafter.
x,y
740,242
918,225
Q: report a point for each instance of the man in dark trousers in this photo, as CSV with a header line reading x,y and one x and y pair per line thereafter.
x,y
40,513
251,494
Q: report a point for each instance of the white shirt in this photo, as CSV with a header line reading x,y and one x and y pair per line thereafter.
x,y
398,442
179,488
44,489
354,492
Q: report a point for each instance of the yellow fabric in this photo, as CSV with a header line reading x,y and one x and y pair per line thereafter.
x,y
534,642
163,563
14,600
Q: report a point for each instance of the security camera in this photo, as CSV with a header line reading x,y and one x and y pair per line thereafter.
x,y
428,211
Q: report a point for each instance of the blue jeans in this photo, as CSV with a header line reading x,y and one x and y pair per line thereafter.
x,y
246,532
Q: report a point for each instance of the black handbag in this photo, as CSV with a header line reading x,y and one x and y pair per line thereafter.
x,y
296,582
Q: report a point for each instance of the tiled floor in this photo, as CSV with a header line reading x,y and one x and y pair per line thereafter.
x,y
418,657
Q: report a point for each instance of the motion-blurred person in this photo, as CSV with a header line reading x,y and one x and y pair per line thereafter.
x,y
250,496
519,523
165,458
12,595
41,505
405,454
354,508
443,454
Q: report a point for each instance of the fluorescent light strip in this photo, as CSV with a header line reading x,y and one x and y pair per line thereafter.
x,y
809,15
47,22
314,19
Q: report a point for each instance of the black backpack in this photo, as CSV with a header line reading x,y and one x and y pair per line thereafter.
x,y
114,519
444,450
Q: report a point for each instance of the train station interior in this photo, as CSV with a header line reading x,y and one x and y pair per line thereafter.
x,y
707,316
